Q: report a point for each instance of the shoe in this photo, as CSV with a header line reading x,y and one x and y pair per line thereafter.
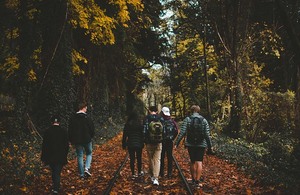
x,y
141,174
152,179
54,192
87,173
82,177
155,182
198,184
134,176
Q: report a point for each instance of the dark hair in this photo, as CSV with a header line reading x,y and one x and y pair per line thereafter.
x,y
55,119
134,118
153,109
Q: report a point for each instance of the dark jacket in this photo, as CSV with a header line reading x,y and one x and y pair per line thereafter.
x,y
55,146
133,135
183,128
166,118
147,121
81,129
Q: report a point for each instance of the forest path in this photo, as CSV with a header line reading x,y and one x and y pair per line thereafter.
x,y
220,177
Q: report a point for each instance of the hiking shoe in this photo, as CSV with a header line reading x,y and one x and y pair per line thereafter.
x,y
87,173
155,182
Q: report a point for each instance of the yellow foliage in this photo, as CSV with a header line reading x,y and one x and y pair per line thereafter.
x,y
12,33
76,70
31,13
211,71
31,75
36,56
77,57
28,173
11,64
12,4
24,189
98,25
89,16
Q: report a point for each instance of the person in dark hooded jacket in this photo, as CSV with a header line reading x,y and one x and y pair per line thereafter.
x,y
55,149
133,140
81,131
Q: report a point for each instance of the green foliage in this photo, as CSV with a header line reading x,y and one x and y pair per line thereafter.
x,y
270,163
268,113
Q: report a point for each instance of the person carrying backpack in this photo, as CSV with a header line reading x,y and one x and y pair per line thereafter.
x,y
171,131
153,133
196,130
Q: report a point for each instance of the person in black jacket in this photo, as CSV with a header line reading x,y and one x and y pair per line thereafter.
x,y
81,131
55,149
133,139
171,131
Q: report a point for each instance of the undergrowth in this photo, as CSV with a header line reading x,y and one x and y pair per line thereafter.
x,y
270,163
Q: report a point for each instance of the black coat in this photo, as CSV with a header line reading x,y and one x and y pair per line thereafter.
x,y
55,146
81,129
133,135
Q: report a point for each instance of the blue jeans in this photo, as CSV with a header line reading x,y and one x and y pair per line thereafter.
x,y
56,170
88,151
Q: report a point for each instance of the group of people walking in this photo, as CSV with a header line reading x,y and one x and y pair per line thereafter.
x,y
56,141
158,132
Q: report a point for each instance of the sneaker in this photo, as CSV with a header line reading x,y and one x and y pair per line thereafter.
x,y
82,177
54,192
198,184
155,182
152,179
141,174
134,176
87,173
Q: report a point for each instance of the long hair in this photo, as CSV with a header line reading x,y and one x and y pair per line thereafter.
x,y
134,118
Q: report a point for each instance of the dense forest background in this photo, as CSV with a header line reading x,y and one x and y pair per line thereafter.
x,y
239,60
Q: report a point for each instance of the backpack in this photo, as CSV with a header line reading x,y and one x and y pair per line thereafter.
x,y
155,129
195,131
170,130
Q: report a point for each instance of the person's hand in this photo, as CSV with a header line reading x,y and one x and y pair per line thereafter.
x,y
210,151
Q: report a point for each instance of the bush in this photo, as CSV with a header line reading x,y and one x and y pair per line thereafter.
x,y
268,113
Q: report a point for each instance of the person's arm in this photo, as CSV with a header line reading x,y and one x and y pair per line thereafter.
x,y
66,148
207,138
70,130
125,135
176,128
91,127
44,147
182,132
145,129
